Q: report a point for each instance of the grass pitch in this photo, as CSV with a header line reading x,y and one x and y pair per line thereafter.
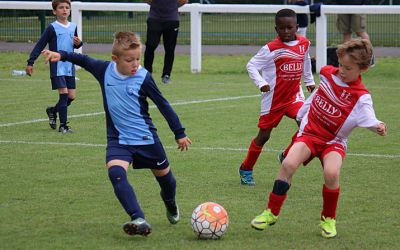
x,y
55,192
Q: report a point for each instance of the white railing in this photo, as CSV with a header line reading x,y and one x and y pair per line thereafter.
x,y
321,23
196,11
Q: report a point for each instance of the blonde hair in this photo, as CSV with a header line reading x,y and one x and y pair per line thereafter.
x,y
359,50
55,3
125,40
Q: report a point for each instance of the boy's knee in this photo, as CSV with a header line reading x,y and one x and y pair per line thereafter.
x,y
262,138
289,166
116,174
161,172
72,96
70,100
331,178
63,100
168,177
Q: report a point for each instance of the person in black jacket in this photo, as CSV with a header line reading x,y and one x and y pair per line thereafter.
x,y
163,21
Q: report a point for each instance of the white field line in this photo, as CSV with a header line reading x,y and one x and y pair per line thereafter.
x,y
370,86
81,144
151,106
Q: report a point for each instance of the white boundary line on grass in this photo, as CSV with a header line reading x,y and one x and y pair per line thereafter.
x,y
151,106
370,86
81,144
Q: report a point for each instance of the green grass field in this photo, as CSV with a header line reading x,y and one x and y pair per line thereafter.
x,y
55,192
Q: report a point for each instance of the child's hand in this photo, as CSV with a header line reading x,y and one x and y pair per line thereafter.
x,y
183,143
29,70
77,41
265,88
51,56
310,88
382,129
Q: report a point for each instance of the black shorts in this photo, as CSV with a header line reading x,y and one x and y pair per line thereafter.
x,y
58,82
141,156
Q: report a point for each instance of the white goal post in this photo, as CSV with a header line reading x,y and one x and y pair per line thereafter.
x,y
196,10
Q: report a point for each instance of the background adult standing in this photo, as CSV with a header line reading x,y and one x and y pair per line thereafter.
x,y
163,20
348,23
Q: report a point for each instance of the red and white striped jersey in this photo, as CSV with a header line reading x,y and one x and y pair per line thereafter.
x,y
335,108
281,65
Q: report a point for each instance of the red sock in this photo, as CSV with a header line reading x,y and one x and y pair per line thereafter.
x,y
275,203
330,201
252,156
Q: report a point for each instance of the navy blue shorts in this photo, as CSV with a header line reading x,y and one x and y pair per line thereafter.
x,y
141,156
58,82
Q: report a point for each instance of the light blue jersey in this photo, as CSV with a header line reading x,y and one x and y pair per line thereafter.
x,y
59,37
122,93
125,102
65,41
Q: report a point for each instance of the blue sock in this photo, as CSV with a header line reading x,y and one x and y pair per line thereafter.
x,y
61,108
124,192
168,186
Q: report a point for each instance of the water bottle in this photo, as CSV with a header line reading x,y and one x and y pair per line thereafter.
x,y
18,72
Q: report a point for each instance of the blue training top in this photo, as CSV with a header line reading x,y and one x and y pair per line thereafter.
x,y
59,37
125,101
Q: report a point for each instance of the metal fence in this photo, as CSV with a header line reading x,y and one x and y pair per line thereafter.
x,y
230,21
218,28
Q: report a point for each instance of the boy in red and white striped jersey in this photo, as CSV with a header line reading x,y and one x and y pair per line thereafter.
x,y
340,104
276,70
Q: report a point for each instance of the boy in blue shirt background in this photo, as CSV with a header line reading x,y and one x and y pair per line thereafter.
x,y
59,35
131,136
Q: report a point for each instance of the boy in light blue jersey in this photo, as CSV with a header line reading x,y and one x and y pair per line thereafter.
x,y
131,135
59,35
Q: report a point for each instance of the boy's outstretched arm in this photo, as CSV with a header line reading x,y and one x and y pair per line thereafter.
x,y
366,116
51,56
183,143
94,66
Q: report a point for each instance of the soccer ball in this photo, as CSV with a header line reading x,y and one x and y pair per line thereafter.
x,y
209,221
